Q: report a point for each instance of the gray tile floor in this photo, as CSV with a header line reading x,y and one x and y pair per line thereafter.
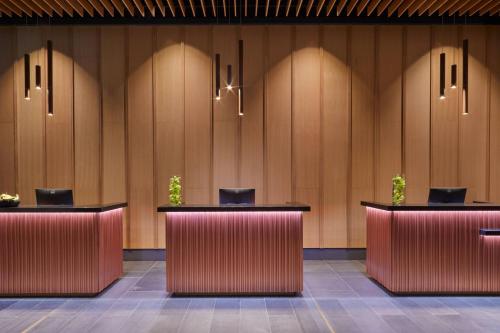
x,y
338,297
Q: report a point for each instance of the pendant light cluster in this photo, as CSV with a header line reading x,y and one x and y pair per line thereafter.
x,y
229,82
38,78
465,73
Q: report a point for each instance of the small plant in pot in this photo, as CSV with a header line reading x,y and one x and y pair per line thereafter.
x,y
175,191
398,190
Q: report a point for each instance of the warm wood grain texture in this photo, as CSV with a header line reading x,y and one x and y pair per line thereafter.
x,y
444,112
59,127
226,130
140,138
388,109
198,118
278,103
335,83
473,141
169,111
30,119
362,129
251,153
416,108
493,54
87,115
7,112
306,128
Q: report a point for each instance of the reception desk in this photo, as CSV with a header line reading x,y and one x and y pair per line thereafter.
x,y
434,249
60,250
240,249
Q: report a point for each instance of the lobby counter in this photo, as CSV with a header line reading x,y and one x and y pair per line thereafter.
x,y
234,249
434,249
60,250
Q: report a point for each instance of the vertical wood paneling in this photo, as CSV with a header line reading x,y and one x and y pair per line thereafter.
x,y
112,66
225,113
306,127
362,130
278,104
473,142
198,106
169,109
444,113
493,54
7,114
87,115
140,138
417,100
389,59
59,127
30,119
335,135
251,154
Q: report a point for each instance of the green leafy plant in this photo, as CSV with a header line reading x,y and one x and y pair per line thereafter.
x,y
175,191
398,189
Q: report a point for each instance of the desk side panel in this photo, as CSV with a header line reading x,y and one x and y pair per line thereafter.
x,y
110,247
378,245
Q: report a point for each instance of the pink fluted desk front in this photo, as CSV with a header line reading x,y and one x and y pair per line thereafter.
x,y
234,249
434,249
60,250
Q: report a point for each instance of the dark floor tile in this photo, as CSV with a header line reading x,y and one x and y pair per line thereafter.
x,y
365,287
325,280
119,288
309,317
364,316
401,324
253,316
226,316
153,280
198,318
279,307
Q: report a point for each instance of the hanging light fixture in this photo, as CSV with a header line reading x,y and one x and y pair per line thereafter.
x,y
38,77
442,64
229,77
217,76
50,95
453,76
465,78
27,77
240,77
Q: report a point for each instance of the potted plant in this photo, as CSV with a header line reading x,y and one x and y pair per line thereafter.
x,y
398,189
175,191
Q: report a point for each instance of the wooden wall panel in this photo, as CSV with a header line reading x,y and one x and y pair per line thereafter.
x,y
140,139
362,130
87,115
169,110
7,114
444,113
278,118
388,109
493,54
30,119
473,142
251,156
417,100
335,135
306,137
198,118
59,127
225,113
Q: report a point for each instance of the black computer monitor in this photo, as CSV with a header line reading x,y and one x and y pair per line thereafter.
x,y
51,197
236,196
447,195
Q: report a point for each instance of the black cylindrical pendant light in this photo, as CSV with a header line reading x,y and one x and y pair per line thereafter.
x,y
27,80
229,77
240,77
50,94
217,76
38,77
442,65
465,79
453,76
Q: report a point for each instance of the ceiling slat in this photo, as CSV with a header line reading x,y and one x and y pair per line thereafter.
x,y
33,7
299,5
362,5
393,7
495,11
109,7
488,8
87,6
340,6
55,7
266,10
319,7
480,6
20,6
288,5
278,5
67,8
130,7
172,7
443,6
246,8
426,6
416,6
151,7
468,7
191,5
404,7
13,8
214,11
224,8
383,6
5,10
372,6
257,8
140,7
309,7
351,6
45,8
235,8
203,9
183,9
330,7
97,6
461,4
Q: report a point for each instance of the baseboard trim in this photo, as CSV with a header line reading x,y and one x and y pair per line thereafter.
x,y
309,254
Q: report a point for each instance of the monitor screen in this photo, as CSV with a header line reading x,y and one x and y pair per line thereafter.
x,y
447,195
50,197
236,196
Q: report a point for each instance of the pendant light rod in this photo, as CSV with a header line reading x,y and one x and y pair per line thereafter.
x,y
229,77
217,76
465,78
442,65
240,77
453,76
38,77
50,94
27,78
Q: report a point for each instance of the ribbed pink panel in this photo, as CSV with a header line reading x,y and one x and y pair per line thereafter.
x,y
234,252
56,253
110,247
440,252
378,245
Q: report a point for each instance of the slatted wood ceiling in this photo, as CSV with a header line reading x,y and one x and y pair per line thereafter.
x,y
247,8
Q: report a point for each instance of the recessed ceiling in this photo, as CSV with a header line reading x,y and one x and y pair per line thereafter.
x,y
234,11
